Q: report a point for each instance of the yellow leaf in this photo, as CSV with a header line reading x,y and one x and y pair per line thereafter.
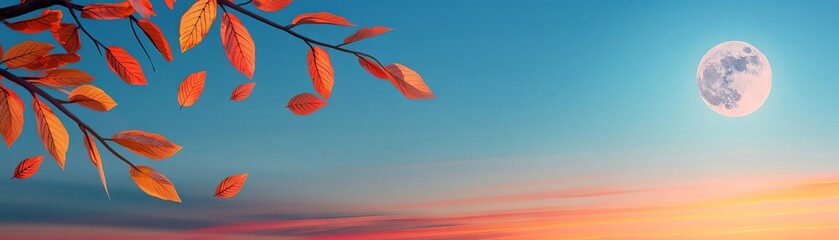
x,y
93,98
155,184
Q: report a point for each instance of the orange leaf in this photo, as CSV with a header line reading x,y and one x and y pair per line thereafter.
x,y
25,53
52,132
305,104
191,88
52,61
242,91
409,82
374,68
92,97
124,65
68,35
170,4
62,78
320,18
238,44
11,115
28,167
320,68
196,22
155,184
271,5
156,37
49,19
142,7
150,145
95,158
231,186
107,11
365,33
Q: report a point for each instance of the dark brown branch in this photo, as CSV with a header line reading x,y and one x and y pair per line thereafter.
x,y
27,7
58,104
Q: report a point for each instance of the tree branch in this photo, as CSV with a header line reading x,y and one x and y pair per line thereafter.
x,y
27,7
58,104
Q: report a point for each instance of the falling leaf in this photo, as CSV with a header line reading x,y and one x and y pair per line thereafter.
x,y
231,186
11,115
320,68
170,4
150,145
242,92
374,68
63,78
305,104
67,34
28,167
191,89
409,82
53,61
125,66
271,5
238,44
320,18
107,11
365,33
142,7
92,97
25,53
196,22
52,132
156,36
49,19
155,184
95,158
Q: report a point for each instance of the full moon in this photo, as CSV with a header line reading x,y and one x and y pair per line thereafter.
x,y
734,78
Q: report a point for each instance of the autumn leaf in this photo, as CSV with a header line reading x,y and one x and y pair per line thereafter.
x,y
52,61
374,68
231,186
142,7
25,53
52,132
191,88
125,66
170,4
28,167
305,104
365,33
150,145
271,5
92,97
153,183
196,22
11,115
95,158
67,34
320,18
242,92
108,11
49,19
238,44
408,82
63,78
320,69
156,36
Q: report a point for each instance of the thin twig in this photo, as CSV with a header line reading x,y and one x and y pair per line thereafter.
x,y
78,22
131,21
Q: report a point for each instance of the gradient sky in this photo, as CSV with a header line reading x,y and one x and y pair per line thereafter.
x,y
549,113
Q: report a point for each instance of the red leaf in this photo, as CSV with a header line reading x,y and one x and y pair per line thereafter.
x,y
96,159
107,11
142,7
320,69
365,33
156,36
52,61
409,82
238,44
196,23
25,53
67,34
153,183
170,4
49,19
11,115
125,66
320,18
191,89
305,104
271,5
242,92
231,186
52,132
374,68
28,167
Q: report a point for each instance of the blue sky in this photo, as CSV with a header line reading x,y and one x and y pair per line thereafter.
x,y
526,90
